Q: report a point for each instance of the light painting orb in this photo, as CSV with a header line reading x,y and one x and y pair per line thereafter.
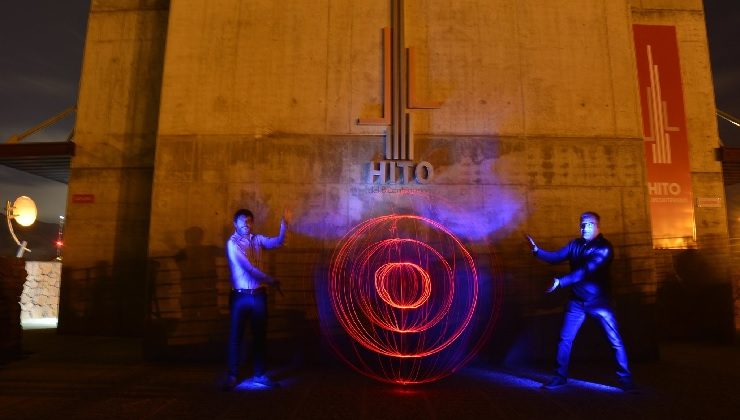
x,y
406,293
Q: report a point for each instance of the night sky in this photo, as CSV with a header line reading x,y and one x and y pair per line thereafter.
x,y
41,47
41,43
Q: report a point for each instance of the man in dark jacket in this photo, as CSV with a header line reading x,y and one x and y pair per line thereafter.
x,y
590,258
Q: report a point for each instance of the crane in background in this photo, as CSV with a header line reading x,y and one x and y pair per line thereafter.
x,y
17,138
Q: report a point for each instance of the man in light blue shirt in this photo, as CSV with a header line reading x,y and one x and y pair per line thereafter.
x,y
248,298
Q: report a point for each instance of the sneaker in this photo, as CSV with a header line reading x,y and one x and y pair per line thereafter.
x,y
626,384
264,380
556,382
230,383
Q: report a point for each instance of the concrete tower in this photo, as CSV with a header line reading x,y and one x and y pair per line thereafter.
x,y
493,117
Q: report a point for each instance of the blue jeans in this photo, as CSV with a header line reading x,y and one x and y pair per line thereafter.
x,y
253,307
575,314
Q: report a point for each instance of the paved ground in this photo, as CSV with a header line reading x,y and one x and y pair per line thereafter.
x,y
97,377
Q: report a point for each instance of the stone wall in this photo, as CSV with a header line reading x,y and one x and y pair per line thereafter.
x,y
40,298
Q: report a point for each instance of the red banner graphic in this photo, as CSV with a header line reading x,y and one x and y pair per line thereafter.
x,y
664,130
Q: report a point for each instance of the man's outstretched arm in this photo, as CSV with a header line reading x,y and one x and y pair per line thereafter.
x,y
552,257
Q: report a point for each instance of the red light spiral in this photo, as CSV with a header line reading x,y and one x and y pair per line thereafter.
x,y
405,290
403,285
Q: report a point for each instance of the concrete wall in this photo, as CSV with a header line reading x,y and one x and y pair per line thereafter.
x,y
540,121
696,286
497,65
254,104
106,239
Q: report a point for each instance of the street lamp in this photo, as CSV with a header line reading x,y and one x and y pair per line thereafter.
x,y
23,210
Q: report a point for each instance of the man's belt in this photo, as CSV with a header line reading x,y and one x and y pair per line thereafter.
x,y
257,291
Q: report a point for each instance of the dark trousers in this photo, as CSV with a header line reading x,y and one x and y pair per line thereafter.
x,y
575,314
254,308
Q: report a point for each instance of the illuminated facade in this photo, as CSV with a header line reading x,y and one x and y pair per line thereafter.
x,y
490,117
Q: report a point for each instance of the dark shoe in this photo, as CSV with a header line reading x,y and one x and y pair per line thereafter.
x,y
626,384
230,383
556,382
265,381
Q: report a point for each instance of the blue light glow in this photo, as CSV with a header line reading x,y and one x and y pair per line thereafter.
x,y
249,385
503,378
535,381
471,213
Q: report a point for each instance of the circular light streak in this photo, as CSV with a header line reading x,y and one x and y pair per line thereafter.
x,y
398,283
406,291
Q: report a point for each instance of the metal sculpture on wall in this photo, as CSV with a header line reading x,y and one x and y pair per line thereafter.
x,y
399,97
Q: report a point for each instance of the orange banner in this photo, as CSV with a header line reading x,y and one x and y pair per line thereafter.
x,y
664,130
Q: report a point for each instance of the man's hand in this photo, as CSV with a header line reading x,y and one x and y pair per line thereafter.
x,y
275,284
555,285
287,216
532,245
